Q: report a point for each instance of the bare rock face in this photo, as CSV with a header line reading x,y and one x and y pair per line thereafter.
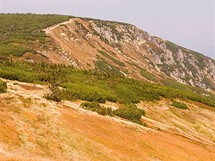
x,y
127,48
210,68
180,55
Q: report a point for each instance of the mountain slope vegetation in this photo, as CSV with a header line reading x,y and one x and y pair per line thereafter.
x,y
93,85
106,45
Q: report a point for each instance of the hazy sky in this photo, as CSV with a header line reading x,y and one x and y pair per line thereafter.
x,y
190,23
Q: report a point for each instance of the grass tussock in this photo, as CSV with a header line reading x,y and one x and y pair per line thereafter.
x,y
179,105
3,86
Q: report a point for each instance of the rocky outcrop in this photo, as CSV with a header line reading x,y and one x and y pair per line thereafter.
x,y
130,49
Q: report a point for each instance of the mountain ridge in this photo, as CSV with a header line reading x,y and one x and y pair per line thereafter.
x,y
91,43
156,46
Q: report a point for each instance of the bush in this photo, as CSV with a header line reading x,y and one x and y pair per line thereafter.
x,y
129,112
7,50
14,74
55,94
3,87
133,114
90,93
179,105
91,105
96,107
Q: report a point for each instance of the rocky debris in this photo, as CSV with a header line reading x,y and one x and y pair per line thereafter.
x,y
183,61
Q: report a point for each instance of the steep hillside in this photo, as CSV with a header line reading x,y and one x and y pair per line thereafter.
x,y
107,46
35,129
133,52
84,89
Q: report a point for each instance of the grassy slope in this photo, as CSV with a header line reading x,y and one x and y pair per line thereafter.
x,y
90,86
93,85
63,131
17,30
23,29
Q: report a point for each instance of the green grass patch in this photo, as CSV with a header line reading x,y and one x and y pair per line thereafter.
x,y
179,105
88,92
96,107
3,86
133,114
112,58
174,84
24,29
7,50
129,112
148,75
108,69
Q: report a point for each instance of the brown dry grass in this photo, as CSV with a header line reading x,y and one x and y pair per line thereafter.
x,y
116,141
38,129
